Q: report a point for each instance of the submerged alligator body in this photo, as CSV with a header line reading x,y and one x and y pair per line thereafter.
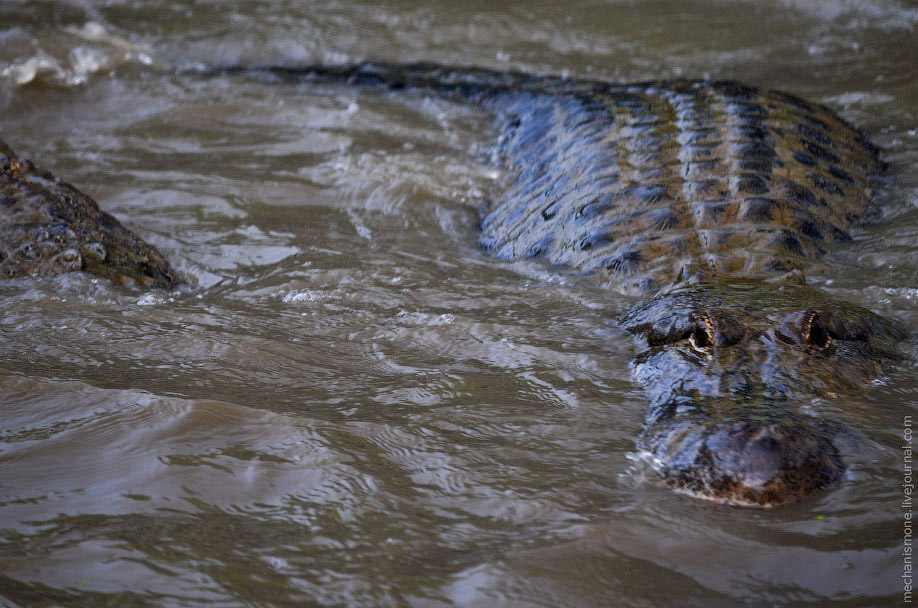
x,y
49,227
715,197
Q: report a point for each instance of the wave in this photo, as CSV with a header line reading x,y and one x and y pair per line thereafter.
x,y
70,55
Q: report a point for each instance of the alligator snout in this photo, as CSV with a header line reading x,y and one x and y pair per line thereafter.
x,y
747,462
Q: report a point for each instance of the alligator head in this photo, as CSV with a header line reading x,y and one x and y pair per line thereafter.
x,y
732,370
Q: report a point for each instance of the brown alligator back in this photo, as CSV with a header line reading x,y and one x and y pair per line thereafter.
x,y
646,184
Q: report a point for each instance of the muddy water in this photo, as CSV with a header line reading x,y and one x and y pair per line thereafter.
x,y
353,405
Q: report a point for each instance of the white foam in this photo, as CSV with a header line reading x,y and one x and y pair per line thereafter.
x,y
74,54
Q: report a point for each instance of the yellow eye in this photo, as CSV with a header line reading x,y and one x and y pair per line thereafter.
x,y
815,332
701,338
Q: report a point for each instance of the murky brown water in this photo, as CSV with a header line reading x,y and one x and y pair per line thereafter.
x,y
355,405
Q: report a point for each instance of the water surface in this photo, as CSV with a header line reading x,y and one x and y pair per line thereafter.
x,y
353,404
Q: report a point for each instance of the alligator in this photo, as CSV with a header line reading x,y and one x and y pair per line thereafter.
x,y
708,200
49,227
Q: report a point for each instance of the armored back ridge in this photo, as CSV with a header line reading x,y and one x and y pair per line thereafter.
x,y
654,183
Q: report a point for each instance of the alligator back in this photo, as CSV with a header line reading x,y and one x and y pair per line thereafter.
x,y
649,184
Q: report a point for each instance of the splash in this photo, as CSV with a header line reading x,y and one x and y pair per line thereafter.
x,y
72,55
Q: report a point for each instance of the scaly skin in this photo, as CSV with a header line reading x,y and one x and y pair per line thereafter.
x,y
49,227
717,196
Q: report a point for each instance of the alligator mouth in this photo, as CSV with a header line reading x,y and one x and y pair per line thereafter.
x,y
746,462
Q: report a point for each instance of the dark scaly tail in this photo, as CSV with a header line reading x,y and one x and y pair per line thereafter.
x,y
463,83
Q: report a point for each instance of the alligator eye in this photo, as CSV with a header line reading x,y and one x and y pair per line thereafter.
x,y
815,332
701,337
